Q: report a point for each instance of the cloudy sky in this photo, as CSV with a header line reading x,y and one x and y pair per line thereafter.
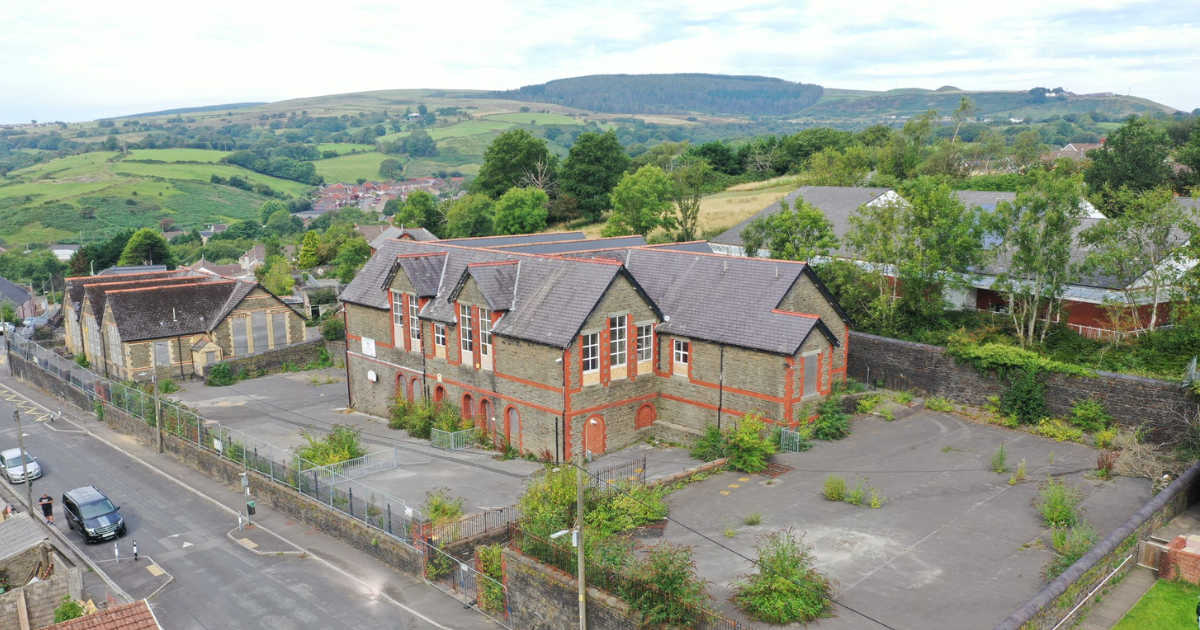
x,y
79,60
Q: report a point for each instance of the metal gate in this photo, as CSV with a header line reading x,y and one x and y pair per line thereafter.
x,y
457,578
792,442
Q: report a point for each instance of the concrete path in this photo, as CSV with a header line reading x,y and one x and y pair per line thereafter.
x,y
1119,600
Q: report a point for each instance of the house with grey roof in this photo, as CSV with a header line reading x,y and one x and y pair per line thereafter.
x,y
173,324
18,297
557,344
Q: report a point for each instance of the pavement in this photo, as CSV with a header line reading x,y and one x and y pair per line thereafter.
x,y
954,546
1118,599
196,575
277,407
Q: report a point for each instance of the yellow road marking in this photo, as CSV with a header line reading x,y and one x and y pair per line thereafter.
x,y
249,543
734,485
743,479
154,570
725,492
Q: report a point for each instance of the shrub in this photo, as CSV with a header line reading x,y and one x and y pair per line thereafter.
x,y
1059,502
341,444
748,449
835,488
1105,462
858,495
491,592
1069,544
167,386
420,421
82,361
1059,431
1025,396
1104,438
1000,460
333,329
937,403
753,519
787,588
221,375
1090,415
448,417
903,397
710,446
867,404
398,414
68,610
666,588
622,509
440,507
831,423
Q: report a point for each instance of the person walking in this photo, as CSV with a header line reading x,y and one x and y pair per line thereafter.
x,y
47,504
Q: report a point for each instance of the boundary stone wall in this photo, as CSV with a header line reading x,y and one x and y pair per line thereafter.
x,y
544,598
41,598
1162,406
272,361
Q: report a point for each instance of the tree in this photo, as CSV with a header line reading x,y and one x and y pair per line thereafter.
x,y
521,211
469,216
352,255
641,203
275,276
1189,155
507,159
421,210
269,208
1141,248
309,251
902,155
689,176
147,247
1038,236
420,144
802,233
1134,156
592,169
720,156
833,167
800,146
391,168
1027,149
282,223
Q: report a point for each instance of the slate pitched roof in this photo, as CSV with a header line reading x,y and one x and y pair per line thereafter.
x,y
838,203
565,247
13,293
76,286
135,616
496,281
377,234
516,239
174,310
18,534
695,247
95,293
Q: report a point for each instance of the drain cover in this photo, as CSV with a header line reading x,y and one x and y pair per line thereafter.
x,y
775,470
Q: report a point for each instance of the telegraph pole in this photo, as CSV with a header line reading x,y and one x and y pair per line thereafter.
x,y
579,486
157,405
24,461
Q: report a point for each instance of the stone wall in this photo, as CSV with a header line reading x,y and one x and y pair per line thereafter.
x,y
272,361
1068,590
47,382
41,599
1178,563
21,567
544,598
1160,405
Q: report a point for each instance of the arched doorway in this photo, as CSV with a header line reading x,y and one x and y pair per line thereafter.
x,y
485,418
468,406
439,394
645,416
402,388
415,388
594,435
512,424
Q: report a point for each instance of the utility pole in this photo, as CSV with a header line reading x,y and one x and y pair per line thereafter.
x,y
24,459
579,486
157,404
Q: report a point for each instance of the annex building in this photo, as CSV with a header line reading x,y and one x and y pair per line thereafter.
x,y
553,342
133,325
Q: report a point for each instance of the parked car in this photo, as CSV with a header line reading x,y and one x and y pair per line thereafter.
x,y
14,468
7,328
93,514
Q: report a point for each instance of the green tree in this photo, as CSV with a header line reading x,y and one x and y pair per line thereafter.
x,y
1189,155
310,255
283,223
421,210
469,216
391,168
276,276
800,146
834,167
506,161
641,203
420,144
1134,156
802,233
592,169
352,255
903,154
521,211
1141,247
269,208
147,247
689,176
1038,234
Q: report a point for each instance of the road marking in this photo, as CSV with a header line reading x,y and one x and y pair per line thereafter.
x,y
186,545
725,492
743,479
735,486
154,570
249,543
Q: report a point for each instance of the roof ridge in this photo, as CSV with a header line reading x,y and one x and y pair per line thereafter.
x,y
650,248
133,290
795,314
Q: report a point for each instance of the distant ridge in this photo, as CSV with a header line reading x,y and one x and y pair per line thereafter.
x,y
671,94
190,110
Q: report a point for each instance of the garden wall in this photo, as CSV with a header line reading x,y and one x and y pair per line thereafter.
x,y
1068,590
1163,406
272,361
39,600
544,598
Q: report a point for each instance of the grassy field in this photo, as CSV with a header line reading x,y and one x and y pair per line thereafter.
x,y
457,130
177,155
204,172
343,148
1167,605
536,119
348,168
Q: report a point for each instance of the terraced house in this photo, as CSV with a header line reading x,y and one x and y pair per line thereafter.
x,y
172,323
554,343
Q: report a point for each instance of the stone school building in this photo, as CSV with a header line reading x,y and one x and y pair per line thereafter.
x,y
556,343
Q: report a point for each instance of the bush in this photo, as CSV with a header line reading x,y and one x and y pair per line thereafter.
x,y
1025,396
675,594
167,386
1090,415
787,588
221,375
491,592
621,510
748,448
341,444
440,507
1000,460
831,423
1059,431
68,610
420,421
398,414
448,417
1059,502
835,488
937,403
1104,438
333,329
710,446
867,404
82,361
1069,545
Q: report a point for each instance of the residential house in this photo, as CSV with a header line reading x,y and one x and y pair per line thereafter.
x,y
232,271
63,252
18,297
135,616
377,234
256,256
594,346
1073,151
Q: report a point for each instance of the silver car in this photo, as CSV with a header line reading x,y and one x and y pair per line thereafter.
x,y
14,469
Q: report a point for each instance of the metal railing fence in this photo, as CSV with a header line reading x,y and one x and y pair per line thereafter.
x,y
792,442
475,525
626,473
462,581
452,440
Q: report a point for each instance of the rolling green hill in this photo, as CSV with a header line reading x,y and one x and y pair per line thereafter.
x,y
866,106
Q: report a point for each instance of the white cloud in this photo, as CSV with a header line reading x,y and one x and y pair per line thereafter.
x,y
72,60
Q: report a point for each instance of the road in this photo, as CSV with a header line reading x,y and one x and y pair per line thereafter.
x,y
208,580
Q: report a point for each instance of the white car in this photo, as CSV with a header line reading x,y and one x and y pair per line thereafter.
x,y
14,468
6,328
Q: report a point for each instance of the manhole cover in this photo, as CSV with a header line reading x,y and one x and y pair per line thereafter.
x,y
775,470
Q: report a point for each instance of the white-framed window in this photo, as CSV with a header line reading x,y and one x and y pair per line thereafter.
x,y
645,342
485,331
114,346
439,334
414,322
617,337
464,326
398,310
683,352
591,352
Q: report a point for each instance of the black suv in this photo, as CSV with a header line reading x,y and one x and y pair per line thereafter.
x,y
89,511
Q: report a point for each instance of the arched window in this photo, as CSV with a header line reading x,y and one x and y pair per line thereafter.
x,y
468,406
415,388
439,394
486,419
512,424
